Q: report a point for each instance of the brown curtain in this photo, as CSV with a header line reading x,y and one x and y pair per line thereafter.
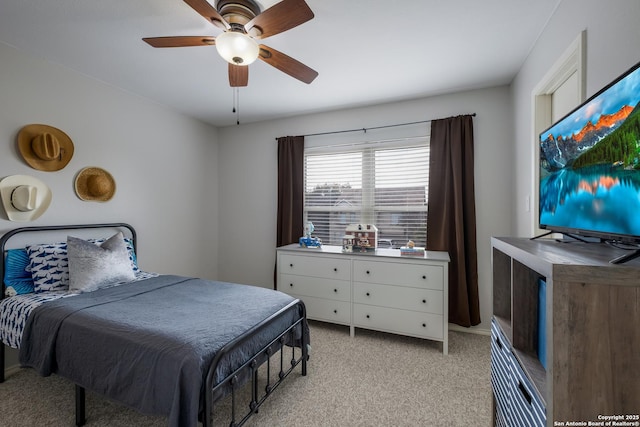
x,y
290,191
451,220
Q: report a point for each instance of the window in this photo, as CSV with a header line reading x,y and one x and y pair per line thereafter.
x,y
380,183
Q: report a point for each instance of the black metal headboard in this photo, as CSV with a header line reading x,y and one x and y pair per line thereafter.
x,y
9,234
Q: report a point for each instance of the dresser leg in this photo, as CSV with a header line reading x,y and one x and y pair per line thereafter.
x,y
445,343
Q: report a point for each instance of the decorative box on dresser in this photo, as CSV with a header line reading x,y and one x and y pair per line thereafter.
x,y
379,290
565,347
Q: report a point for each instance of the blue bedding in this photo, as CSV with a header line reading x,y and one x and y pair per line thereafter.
x,y
148,345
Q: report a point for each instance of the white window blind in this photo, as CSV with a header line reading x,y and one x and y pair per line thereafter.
x,y
381,183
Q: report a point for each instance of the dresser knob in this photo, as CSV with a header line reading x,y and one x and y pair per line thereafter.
x,y
424,325
368,272
335,311
424,277
368,316
368,294
290,265
424,301
291,285
335,269
335,290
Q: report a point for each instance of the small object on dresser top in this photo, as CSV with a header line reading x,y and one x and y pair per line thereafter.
x,y
308,241
411,251
365,237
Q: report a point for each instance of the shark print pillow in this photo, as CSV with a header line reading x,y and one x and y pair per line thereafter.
x,y
49,266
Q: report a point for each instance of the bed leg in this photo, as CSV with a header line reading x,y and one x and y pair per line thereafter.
x,y
80,409
305,352
254,397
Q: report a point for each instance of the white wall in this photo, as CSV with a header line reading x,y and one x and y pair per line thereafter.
x,y
612,47
212,193
174,171
248,177
162,161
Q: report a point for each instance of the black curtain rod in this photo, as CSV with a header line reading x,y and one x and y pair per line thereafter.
x,y
373,128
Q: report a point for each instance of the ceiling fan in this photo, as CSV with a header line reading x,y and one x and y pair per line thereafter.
x,y
243,24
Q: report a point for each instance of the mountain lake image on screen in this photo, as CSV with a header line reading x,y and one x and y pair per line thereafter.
x,y
590,165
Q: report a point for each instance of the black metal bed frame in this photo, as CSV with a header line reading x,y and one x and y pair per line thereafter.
x,y
211,392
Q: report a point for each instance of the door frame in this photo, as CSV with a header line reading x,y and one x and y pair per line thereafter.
x,y
572,61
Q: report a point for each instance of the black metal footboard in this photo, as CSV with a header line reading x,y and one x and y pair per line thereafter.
x,y
249,369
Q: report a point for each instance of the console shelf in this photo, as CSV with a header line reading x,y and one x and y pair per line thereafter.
x,y
592,334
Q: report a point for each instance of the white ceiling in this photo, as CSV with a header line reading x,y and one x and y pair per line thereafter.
x,y
366,52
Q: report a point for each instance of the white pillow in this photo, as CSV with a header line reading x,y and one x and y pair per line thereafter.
x,y
96,265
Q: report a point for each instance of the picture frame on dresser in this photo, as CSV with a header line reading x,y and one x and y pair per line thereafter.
x,y
379,290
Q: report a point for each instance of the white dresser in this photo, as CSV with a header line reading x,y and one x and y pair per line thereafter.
x,y
383,291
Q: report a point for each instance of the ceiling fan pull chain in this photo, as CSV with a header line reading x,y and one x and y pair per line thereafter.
x,y
234,101
237,108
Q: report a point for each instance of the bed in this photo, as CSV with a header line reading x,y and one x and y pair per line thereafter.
x,y
162,344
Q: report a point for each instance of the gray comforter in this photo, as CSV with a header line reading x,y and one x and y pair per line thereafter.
x,y
148,344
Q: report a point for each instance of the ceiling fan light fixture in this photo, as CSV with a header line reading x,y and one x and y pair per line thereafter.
x,y
237,48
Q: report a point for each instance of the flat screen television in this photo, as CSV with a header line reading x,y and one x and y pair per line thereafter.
x,y
590,166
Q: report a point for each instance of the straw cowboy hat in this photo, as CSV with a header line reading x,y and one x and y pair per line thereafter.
x,y
44,147
24,197
95,184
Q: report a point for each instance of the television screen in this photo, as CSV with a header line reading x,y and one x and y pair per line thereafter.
x,y
590,165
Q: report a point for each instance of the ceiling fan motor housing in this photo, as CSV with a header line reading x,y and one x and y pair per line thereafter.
x,y
238,11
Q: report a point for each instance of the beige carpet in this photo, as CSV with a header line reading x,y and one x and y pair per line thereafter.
x,y
373,379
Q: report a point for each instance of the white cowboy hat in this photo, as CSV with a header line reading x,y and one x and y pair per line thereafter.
x,y
24,197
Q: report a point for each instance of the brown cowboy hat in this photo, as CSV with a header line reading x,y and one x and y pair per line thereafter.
x,y
95,184
44,147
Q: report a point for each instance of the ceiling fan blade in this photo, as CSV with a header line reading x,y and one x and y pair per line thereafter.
x,y
204,8
280,17
287,64
238,75
180,41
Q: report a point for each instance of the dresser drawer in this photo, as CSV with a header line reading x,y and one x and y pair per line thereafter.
x,y
425,325
404,274
416,299
315,287
327,310
500,375
526,404
315,266
516,399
